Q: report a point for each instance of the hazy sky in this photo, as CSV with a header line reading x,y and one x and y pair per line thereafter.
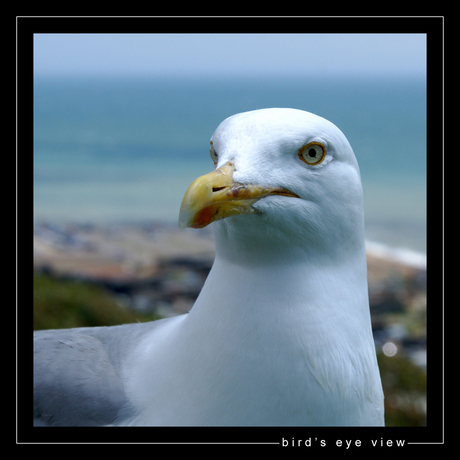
x,y
229,54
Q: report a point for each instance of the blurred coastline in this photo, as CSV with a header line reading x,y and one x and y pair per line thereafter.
x,y
154,267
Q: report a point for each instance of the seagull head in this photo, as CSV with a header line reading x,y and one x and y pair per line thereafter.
x,y
283,178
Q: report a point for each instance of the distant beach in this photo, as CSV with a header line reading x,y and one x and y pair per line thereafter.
x,y
403,256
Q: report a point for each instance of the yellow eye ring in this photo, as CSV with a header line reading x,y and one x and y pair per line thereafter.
x,y
214,156
312,153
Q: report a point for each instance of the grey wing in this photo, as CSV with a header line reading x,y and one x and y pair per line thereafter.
x,y
77,374
75,382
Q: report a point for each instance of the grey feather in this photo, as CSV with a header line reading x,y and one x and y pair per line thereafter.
x,y
77,374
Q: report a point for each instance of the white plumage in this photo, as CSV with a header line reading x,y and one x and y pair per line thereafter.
x,y
281,332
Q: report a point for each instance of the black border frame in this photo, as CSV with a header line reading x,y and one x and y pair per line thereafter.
x,y
26,26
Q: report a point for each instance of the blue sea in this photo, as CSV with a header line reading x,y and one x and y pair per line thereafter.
x,y
125,150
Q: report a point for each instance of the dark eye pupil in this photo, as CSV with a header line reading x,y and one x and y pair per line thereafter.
x,y
312,153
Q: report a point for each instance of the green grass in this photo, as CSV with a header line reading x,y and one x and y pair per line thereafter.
x,y
404,386
65,303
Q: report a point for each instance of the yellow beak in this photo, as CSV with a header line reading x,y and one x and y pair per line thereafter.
x,y
215,196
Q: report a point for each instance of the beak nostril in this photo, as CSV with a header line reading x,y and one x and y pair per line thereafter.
x,y
216,189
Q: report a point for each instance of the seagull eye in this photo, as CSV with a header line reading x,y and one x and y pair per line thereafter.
x,y
214,156
312,153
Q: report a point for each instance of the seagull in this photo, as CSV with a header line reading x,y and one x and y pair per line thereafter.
x,y
280,334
